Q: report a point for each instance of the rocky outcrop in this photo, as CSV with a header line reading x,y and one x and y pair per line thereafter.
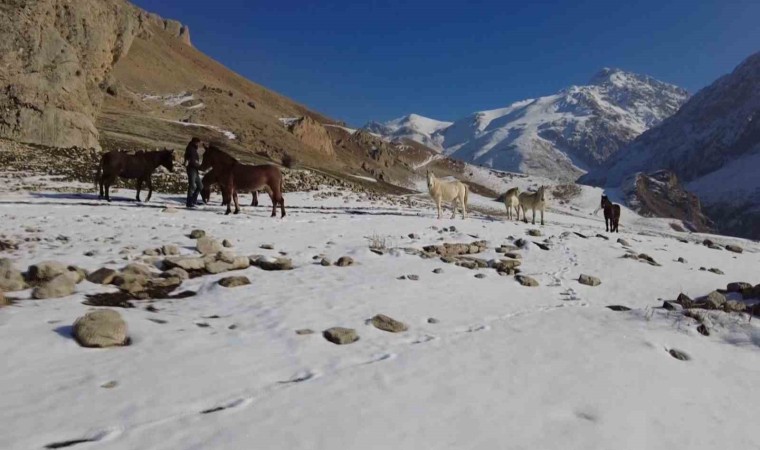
x,y
56,58
660,194
313,134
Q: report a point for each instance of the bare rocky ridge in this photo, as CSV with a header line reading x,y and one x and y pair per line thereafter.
x,y
660,194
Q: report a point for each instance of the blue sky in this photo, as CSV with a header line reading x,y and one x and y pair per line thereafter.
x,y
363,60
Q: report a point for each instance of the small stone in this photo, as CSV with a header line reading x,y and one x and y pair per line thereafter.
x,y
340,335
137,269
677,354
432,320
713,300
325,262
452,228
267,246
275,264
589,280
438,270
170,250
109,384
601,236
45,271
526,280
535,233
197,234
304,331
414,236
684,300
152,252
480,275
618,308
101,328
623,242
103,275
715,270
672,306
738,286
681,260
175,272
60,286
208,246
226,243
230,282
385,323
703,330
413,277
521,243
344,261
734,306
734,248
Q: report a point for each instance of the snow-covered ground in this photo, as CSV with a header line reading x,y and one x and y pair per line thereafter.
x,y
505,366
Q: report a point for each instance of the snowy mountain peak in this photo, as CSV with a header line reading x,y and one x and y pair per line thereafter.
x,y
413,126
559,136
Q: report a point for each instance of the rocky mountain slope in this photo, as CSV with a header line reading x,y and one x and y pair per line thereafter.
x,y
712,144
559,136
413,127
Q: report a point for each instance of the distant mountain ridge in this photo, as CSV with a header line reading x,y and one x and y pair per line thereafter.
x,y
712,144
559,136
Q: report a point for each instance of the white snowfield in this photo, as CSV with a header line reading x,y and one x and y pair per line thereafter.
x,y
505,366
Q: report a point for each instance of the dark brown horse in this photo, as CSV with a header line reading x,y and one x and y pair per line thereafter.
x,y
139,166
211,178
235,177
611,214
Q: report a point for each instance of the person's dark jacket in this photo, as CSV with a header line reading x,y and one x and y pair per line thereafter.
x,y
192,159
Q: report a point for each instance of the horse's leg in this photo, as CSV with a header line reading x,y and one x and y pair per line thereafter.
x,y
464,208
100,187
235,198
534,215
108,182
255,200
150,189
438,204
454,207
282,206
139,186
542,215
606,223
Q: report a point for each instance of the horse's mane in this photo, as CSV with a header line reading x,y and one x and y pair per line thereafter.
x,y
512,191
213,149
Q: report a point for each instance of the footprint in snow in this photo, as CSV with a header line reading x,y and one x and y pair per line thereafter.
x,y
381,357
424,338
233,404
299,377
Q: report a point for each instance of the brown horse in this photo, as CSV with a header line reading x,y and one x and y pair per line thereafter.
x,y
210,179
611,214
236,177
139,166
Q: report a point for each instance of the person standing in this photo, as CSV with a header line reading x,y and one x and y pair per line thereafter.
x,y
193,164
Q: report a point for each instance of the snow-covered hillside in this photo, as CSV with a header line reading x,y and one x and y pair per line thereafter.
x,y
712,144
559,136
415,127
485,362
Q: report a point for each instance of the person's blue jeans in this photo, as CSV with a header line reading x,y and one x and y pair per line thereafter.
x,y
194,185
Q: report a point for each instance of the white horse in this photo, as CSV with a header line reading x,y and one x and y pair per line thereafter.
x,y
511,201
448,191
534,201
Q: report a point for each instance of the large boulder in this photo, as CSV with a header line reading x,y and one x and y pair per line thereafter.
x,y
60,286
11,279
225,262
101,328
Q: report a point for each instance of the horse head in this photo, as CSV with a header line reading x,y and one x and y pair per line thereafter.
x,y
430,179
542,193
605,200
167,159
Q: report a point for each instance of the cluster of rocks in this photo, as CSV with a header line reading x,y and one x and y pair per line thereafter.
x,y
642,257
722,300
343,336
49,279
709,243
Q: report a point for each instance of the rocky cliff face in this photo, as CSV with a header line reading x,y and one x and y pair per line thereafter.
x,y
313,134
56,58
660,194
